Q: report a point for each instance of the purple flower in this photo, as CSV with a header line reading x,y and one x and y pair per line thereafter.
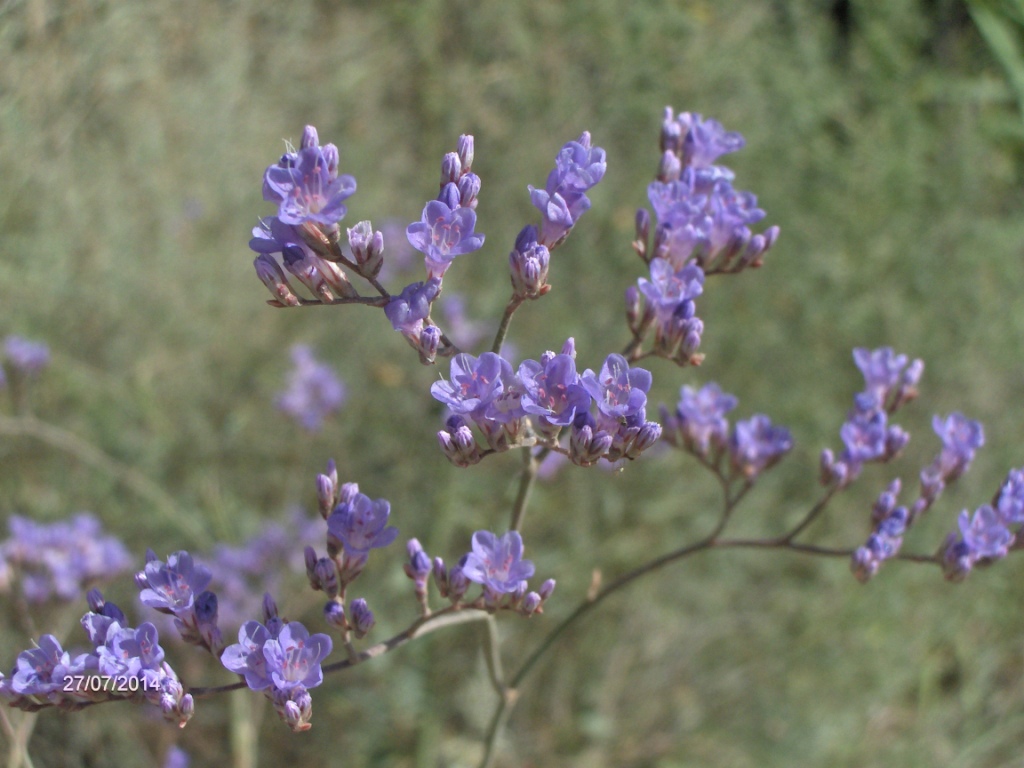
x,y
246,656
864,435
474,383
408,310
552,389
131,652
618,391
700,423
669,289
756,444
961,437
314,390
306,184
1010,501
528,265
985,534
293,657
361,524
172,586
28,357
699,141
497,563
60,559
882,369
578,167
442,234
39,671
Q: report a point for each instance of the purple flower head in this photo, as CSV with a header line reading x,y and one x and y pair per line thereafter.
x,y
408,310
961,437
172,586
730,214
293,657
756,444
618,391
475,382
362,524
25,356
578,167
306,184
706,140
38,671
528,265
246,656
314,390
882,369
700,414
552,389
864,435
442,234
668,289
60,560
1010,501
497,562
985,534
130,652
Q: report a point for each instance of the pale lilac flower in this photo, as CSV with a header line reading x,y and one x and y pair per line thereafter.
x,y
306,184
293,657
552,390
756,444
497,563
362,524
985,534
1010,501
26,356
961,437
578,167
408,311
474,383
699,423
172,586
618,390
314,390
442,234
669,289
131,652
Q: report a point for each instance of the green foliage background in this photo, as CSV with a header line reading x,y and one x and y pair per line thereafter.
x,y
882,137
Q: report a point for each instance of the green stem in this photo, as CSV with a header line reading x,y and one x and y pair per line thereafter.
x,y
510,309
526,481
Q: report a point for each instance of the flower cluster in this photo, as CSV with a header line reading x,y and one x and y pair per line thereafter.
x,y
60,560
890,381
314,390
445,228
987,536
125,663
534,404
961,437
699,426
24,356
495,562
282,660
310,196
702,226
177,587
578,167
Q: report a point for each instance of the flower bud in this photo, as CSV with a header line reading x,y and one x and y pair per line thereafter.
x,y
362,618
465,148
272,276
451,169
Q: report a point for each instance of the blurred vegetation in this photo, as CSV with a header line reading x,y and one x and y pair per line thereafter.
x,y
884,138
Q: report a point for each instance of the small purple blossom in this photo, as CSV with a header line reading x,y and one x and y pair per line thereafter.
x,y
362,524
756,444
408,310
985,534
293,657
699,423
1010,500
578,167
131,652
246,656
669,289
474,383
26,356
961,437
172,586
314,390
306,184
39,671
497,562
442,234
618,391
552,389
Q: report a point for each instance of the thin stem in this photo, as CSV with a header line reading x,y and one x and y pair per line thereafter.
x,y
492,646
510,309
526,480
812,515
497,725
371,301
87,453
